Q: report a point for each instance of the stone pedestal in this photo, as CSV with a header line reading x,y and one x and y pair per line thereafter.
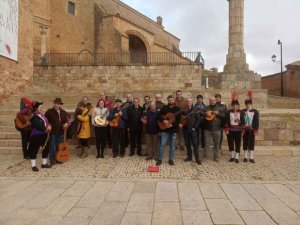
x,y
236,70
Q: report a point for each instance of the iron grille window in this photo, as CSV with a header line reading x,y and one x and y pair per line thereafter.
x,y
71,8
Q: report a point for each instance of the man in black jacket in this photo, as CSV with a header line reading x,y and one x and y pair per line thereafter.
x,y
58,119
171,131
213,127
135,114
190,134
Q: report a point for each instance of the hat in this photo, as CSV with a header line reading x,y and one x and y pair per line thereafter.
x,y
58,101
118,100
248,100
234,100
36,105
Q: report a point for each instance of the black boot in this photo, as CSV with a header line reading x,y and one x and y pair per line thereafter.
x,y
102,154
98,154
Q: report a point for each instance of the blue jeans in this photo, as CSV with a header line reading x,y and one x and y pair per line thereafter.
x,y
164,140
55,140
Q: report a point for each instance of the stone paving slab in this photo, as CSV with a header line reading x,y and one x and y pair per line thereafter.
x,y
280,212
167,213
57,202
287,196
190,197
256,217
196,218
240,197
223,212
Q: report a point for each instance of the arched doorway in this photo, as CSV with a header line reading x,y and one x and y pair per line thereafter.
x,y
137,49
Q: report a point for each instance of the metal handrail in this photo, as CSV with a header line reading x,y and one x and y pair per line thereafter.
x,y
123,58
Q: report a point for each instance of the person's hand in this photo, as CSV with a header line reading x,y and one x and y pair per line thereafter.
x,y
48,128
120,113
208,113
255,132
116,114
243,132
227,132
216,112
28,123
66,125
180,125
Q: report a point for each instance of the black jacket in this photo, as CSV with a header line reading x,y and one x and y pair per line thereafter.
x,y
167,109
216,124
56,124
254,118
134,118
193,119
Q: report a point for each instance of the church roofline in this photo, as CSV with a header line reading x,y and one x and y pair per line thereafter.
x,y
146,17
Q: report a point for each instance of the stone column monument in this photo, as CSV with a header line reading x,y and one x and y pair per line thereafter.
x,y
236,71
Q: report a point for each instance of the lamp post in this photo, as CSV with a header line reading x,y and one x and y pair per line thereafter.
x,y
281,72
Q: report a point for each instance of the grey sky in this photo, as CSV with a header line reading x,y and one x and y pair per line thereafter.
x,y
202,25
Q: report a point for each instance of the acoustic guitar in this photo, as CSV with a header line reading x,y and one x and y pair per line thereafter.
x,y
213,115
63,153
184,118
19,123
116,121
100,121
171,119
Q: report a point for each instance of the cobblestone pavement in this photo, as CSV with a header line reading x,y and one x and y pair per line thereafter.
x,y
31,201
134,168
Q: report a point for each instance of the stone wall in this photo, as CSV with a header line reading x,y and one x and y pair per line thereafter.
x,y
15,76
279,128
114,79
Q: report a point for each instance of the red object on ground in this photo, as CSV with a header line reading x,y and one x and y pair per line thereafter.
x,y
153,169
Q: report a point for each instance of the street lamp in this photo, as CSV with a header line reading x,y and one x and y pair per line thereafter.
x,y
281,73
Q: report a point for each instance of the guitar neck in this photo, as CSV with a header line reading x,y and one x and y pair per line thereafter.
x,y
65,135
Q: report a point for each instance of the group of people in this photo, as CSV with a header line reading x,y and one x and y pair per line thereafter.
x,y
178,123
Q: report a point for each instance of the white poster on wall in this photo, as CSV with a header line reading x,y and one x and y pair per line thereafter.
x,y
9,29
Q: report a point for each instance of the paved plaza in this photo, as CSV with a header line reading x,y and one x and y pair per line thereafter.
x,y
120,191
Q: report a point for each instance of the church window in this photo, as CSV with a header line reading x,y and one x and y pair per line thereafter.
x,y
71,8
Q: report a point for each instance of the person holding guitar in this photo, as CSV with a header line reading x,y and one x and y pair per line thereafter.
x,y
169,117
117,119
58,118
109,105
39,137
213,127
23,125
99,121
190,128
180,102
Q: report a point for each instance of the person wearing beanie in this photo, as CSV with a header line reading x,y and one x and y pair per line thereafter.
x,y
39,136
234,123
250,129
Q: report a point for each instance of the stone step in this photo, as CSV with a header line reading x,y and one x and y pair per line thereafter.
x,y
9,135
10,142
7,129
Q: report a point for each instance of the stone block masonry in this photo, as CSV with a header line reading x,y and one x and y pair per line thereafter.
x,y
112,79
15,76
